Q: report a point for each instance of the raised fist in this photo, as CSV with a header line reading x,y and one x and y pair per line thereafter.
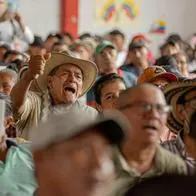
x,y
37,65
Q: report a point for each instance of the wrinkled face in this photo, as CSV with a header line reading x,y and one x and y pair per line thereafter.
x,y
65,85
146,111
182,65
6,83
106,59
117,40
138,55
110,93
80,165
83,52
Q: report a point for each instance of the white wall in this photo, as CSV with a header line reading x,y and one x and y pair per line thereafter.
x,y
179,14
42,16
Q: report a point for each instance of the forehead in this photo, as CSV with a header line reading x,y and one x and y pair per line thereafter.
x,y
113,83
147,93
69,67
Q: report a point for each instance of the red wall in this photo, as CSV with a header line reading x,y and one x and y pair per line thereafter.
x,y
69,16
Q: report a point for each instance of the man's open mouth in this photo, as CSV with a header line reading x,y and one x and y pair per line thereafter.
x,y
150,127
70,89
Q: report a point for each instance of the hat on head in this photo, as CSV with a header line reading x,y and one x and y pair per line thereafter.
x,y
59,128
88,68
173,93
154,72
140,36
137,44
38,42
104,44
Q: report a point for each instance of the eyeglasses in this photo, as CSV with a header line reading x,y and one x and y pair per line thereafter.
x,y
145,107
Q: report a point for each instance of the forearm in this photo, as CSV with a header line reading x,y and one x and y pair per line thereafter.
x,y
19,91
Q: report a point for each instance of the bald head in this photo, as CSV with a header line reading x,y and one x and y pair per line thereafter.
x,y
143,92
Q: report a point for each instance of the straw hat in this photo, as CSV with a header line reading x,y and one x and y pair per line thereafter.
x,y
173,92
88,68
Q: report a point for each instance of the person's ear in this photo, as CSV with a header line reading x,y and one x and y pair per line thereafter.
x,y
180,111
49,82
98,107
8,122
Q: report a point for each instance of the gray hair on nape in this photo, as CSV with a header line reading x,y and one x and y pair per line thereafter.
x,y
10,72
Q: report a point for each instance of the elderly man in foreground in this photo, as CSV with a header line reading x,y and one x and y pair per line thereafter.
x,y
141,156
74,157
61,80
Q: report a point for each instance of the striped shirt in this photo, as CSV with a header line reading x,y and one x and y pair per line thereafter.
x,y
177,147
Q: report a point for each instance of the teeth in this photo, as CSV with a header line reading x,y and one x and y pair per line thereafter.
x,y
70,89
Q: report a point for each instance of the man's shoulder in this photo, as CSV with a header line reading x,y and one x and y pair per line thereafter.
x,y
82,107
169,162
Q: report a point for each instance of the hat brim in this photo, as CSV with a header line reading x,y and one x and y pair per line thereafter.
x,y
168,76
88,68
173,91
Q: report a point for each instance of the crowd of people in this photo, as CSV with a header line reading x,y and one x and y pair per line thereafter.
x,y
88,116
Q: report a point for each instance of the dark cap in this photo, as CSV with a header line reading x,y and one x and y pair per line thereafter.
x,y
137,44
38,42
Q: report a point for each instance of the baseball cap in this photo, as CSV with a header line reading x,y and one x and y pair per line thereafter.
x,y
154,72
104,44
60,128
137,44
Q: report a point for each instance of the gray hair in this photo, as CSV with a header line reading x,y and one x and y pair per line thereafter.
x,y
8,104
10,72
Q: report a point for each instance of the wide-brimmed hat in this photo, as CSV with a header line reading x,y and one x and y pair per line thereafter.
x,y
88,68
173,94
112,125
153,72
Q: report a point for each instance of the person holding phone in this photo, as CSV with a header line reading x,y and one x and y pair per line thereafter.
x,y
12,25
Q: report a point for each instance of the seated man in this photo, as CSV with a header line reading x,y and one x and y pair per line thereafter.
x,y
16,165
107,90
105,58
141,156
182,96
8,79
61,80
73,155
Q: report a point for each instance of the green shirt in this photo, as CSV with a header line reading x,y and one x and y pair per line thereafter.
x,y
17,173
165,163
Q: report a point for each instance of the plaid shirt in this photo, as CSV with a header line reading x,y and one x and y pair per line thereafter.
x,y
177,147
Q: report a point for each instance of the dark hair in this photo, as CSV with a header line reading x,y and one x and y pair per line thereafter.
x,y
5,46
174,37
8,105
192,132
102,82
85,35
11,52
68,35
170,185
117,32
57,35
